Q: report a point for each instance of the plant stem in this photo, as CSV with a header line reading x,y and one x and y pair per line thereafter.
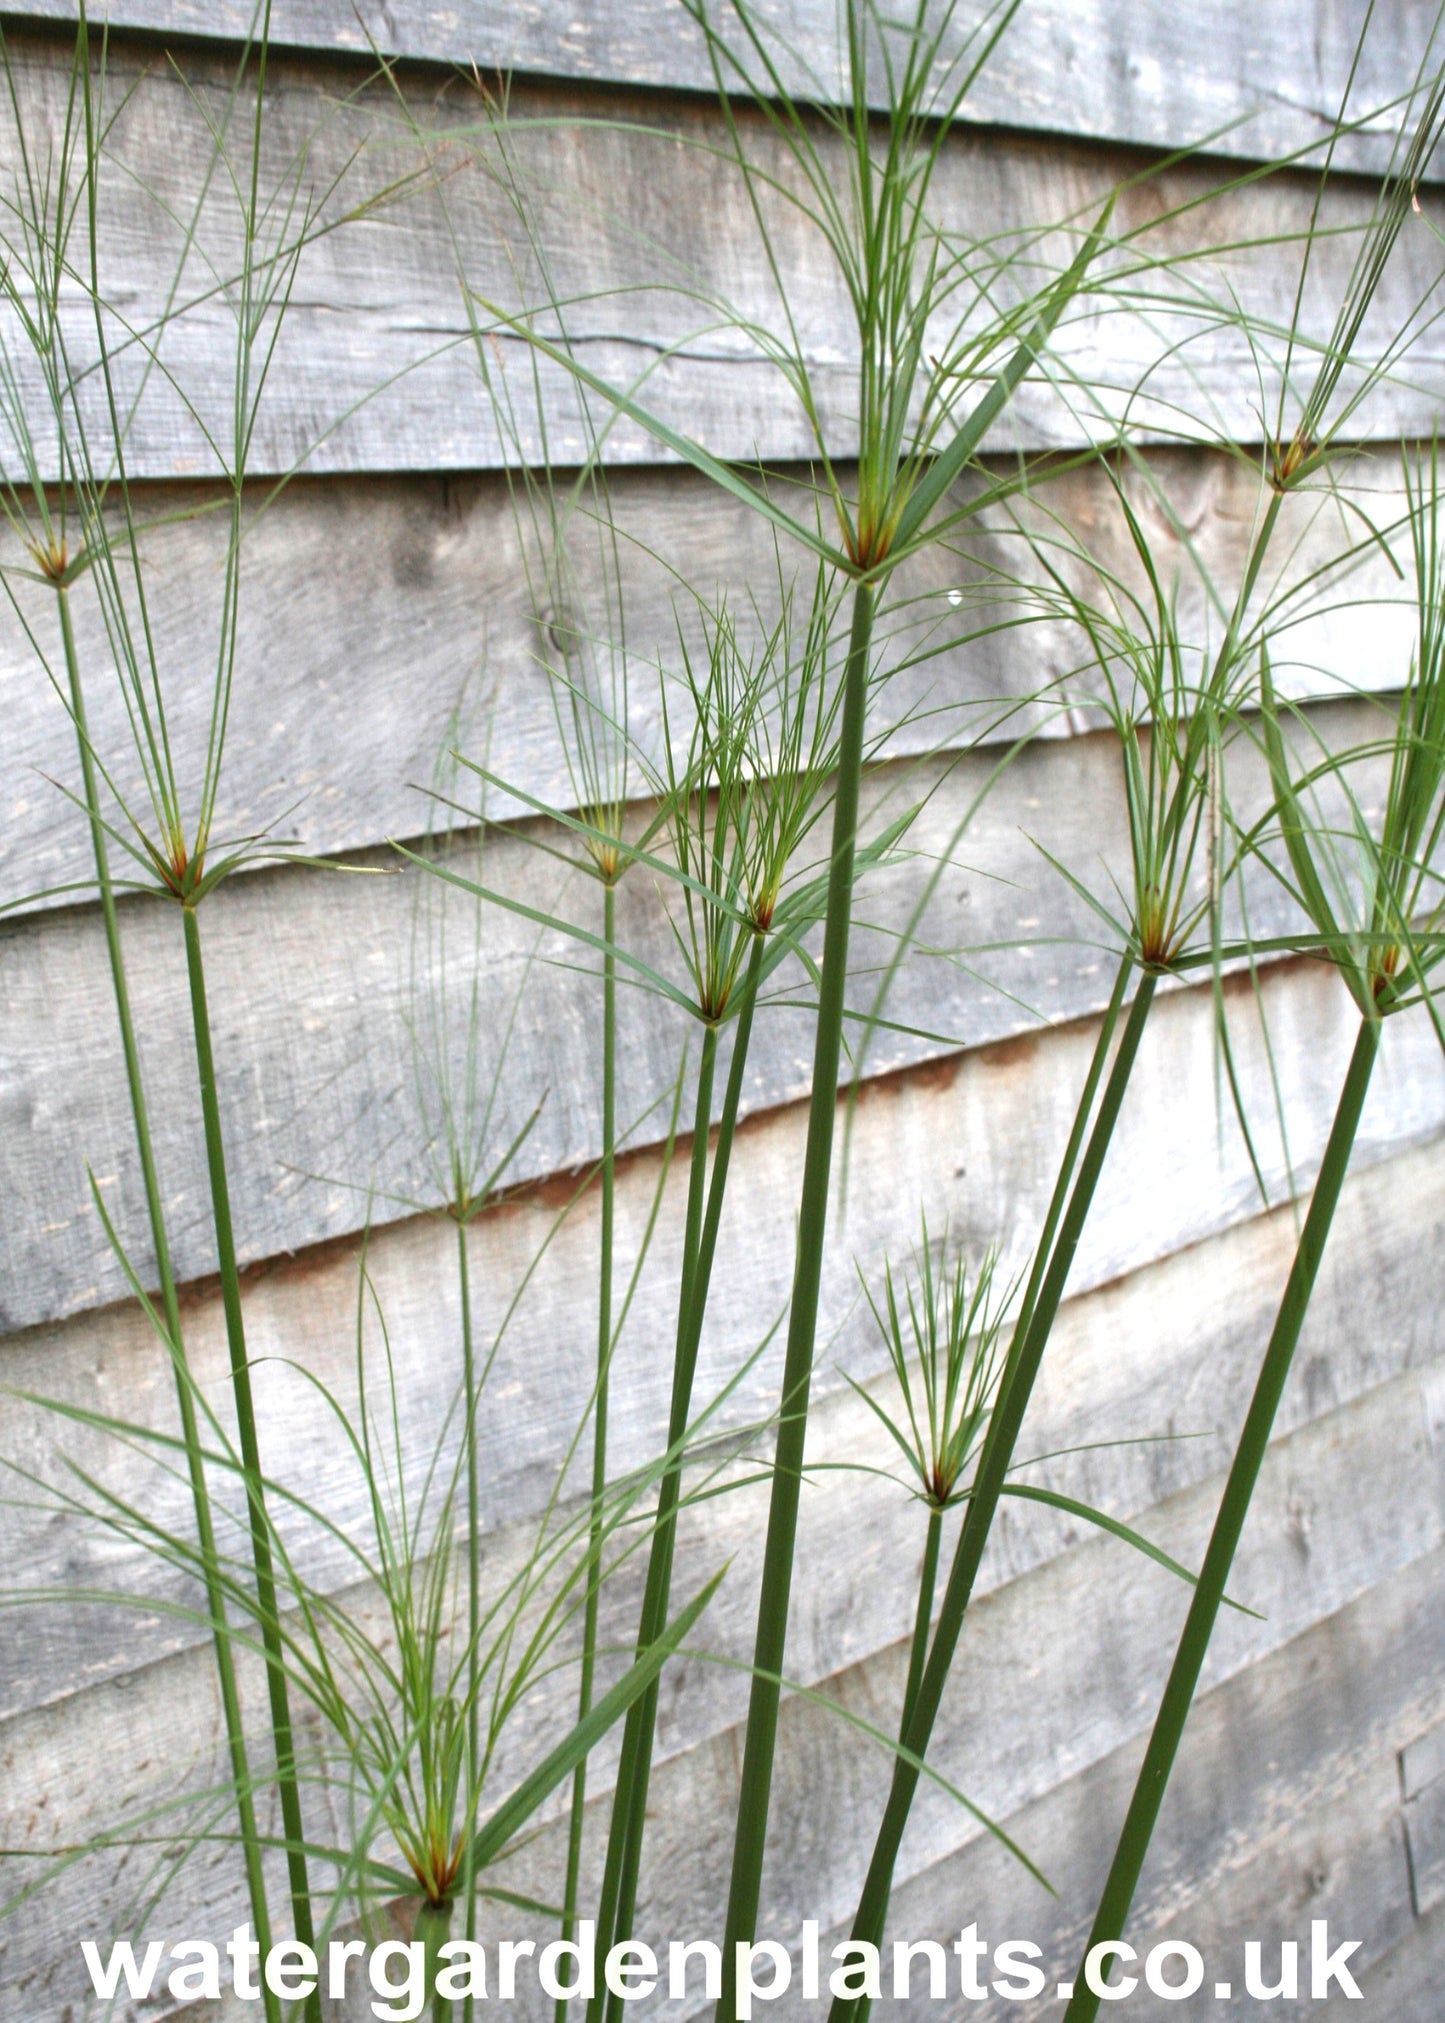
x,y
629,1767
432,1930
918,1653
599,1418
171,1308
772,1629
1249,1456
629,1804
1025,1356
474,1607
267,1609
923,1616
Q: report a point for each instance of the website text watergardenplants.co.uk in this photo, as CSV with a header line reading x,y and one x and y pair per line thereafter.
x,y
394,1971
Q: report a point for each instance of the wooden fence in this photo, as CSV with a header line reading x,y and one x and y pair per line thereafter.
x,y
384,593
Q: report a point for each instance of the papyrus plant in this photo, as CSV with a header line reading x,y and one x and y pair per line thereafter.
x,y
915,290
1368,885
82,530
1174,705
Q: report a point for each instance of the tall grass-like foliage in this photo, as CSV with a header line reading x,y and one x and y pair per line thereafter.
x,y
918,433
1174,710
1368,886
84,531
720,781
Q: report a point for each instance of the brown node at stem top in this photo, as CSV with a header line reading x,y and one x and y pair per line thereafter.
x,y
52,559
608,861
940,1485
1285,464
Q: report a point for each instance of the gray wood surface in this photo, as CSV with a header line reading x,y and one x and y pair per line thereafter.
x,y
658,297
386,621
386,616
334,995
1342,1421
1408,1976
828,1787
954,1127
1310,1827
1129,72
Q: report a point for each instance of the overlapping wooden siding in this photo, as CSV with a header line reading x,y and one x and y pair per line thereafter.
x,y
392,623
1122,70
408,271
385,603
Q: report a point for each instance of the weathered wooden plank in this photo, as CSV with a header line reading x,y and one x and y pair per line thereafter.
x,y
384,621
327,990
1406,1982
657,294
1088,1674
1121,72
1306,1826
989,1185
1088,1694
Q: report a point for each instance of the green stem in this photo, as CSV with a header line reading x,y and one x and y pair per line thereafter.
x,y
599,1419
630,1769
918,1654
1233,1509
923,1617
1025,1356
1043,1249
171,1307
270,1620
432,1930
474,1603
770,1643
629,1805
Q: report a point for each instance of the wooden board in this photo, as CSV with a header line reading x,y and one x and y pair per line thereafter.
x,y
987,1185
386,621
1081,1701
326,990
1408,1976
659,295
1122,72
1305,1555
1309,1827
1089,1692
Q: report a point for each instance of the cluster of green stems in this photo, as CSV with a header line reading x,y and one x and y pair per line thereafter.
x,y
898,494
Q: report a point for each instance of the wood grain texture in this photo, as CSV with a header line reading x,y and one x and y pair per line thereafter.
x,y
1309,1826
1303,1560
386,604
385,621
977,1168
1407,1978
334,995
1081,1703
656,245
1125,72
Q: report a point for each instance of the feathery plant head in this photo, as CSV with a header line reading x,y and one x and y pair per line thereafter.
x,y
1294,454
752,783
382,1650
459,1053
944,1342
591,722
39,213
571,554
929,305
570,545
89,522
942,318
1368,879
1173,709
